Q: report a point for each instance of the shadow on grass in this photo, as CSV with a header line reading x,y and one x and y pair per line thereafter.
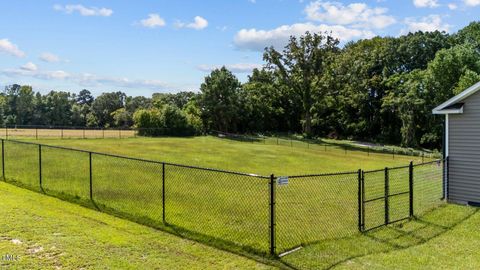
x,y
331,253
179,231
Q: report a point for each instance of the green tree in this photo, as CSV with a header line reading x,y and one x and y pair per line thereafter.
x,y
300,65
105,104
219,100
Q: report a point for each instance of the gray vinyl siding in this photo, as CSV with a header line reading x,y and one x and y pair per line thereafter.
x,y
464,152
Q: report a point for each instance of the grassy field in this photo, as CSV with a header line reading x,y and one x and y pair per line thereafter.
x,y
46,233
19,133
213,152
225,209
445,238
42,232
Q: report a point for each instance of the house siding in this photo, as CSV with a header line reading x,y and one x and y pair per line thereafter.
x,y
464,152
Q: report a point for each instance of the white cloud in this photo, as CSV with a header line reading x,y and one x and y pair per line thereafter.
x,y
452,6
29,67
426,24
253,39
236,68
84,11
357,15
49,57
198,23
35,73
9,48
426,3
31,71
472,3
153,21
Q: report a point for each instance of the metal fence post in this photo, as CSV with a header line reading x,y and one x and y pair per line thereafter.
x,y
36,133
360,200
387,220
90,175
3,160
40,165
410,183
6,132
62,133
163,193
84,133
103,133
363,200
393,152
272,215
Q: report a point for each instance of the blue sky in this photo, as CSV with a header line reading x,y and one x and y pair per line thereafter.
x,y
142,47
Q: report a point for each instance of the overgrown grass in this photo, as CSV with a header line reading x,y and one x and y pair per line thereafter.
x,y
46,233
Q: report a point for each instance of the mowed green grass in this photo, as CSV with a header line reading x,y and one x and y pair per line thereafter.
x,y
224,209
226,154
42,232
445,238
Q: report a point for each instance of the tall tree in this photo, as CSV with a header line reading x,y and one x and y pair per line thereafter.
x,y
301,64
105,104
219,100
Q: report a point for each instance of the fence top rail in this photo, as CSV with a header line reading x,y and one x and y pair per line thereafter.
x,y
437,161
324,174
141,159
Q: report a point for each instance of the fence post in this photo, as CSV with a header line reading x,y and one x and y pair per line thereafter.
x,y
387,220
423,157
62,132
3,160
163,193
36,133
410,182
393,153
363,200
272,215
84,133
40,165
6,132
360,200
90,174
103,133
120,133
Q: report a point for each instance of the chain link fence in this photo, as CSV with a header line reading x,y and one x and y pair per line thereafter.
x,y
395,194
260,214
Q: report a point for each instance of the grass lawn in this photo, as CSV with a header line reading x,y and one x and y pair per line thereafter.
x,y
46,233
226,154
227,210
446,238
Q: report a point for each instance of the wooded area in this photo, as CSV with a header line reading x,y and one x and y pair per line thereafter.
x,y
380,89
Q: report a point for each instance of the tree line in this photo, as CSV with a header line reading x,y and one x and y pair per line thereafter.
x,y
381,89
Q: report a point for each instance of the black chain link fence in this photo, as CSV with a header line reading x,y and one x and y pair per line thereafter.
x,y
260,214
395,194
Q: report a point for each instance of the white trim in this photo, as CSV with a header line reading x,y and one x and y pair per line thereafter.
x,y
446,135
450,111
463,95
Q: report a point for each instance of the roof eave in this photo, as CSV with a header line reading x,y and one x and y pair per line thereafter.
x,y
449,111
463,95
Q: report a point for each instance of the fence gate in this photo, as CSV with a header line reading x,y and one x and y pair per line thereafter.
x,y
387,196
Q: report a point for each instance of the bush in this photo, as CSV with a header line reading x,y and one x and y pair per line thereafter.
x,y
169,120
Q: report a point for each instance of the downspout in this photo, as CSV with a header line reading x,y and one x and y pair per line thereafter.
x,y
446,158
